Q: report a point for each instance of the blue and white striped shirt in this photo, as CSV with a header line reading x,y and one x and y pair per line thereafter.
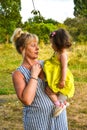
x,y
39,115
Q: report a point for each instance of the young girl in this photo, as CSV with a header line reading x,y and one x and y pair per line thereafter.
x,y
60,81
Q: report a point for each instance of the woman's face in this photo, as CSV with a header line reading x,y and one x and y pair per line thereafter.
x,y
31,49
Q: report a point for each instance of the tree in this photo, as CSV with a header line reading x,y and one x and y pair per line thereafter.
x,y
37,19
10,18
77,27
50,20
80,9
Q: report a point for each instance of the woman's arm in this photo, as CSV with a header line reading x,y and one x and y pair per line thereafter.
x,y
26,92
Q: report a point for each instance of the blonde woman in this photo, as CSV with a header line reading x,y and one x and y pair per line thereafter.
x,y
29,86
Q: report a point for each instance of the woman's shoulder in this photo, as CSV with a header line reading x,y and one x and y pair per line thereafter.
x,y
19,71
16,75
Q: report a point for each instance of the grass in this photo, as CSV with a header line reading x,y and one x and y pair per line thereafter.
x,y
10,106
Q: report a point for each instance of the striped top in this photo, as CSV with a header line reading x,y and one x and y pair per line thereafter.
x,y
39,115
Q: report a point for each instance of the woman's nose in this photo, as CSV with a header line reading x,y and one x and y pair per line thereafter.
x,y
37,47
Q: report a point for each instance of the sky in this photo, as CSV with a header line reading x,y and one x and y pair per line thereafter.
x,y
58,10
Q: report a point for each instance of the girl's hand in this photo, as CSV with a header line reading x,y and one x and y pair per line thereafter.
x,y
35,70
61,84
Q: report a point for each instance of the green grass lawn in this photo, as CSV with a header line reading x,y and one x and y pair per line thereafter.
x,y
10,60
11,108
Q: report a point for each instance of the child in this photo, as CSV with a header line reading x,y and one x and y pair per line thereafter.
x,y
58,77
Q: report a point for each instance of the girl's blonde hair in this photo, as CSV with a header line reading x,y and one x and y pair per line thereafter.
x,y
21,39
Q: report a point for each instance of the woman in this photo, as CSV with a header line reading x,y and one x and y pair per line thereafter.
x,y
29,85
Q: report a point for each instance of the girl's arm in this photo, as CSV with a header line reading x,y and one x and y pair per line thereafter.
x,y
63,60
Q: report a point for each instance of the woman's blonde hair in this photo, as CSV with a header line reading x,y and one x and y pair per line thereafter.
x,y
17,33
21,38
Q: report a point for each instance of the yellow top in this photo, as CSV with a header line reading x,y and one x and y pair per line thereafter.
x,y
52,69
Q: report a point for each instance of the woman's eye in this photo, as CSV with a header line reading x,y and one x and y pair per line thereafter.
x,y
32,45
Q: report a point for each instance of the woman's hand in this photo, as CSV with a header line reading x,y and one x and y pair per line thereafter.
x,y
35,70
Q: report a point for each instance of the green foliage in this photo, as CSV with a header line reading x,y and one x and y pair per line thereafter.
x,y
77,28
42,30
54,22
9,18
35,12
80,9
37,19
